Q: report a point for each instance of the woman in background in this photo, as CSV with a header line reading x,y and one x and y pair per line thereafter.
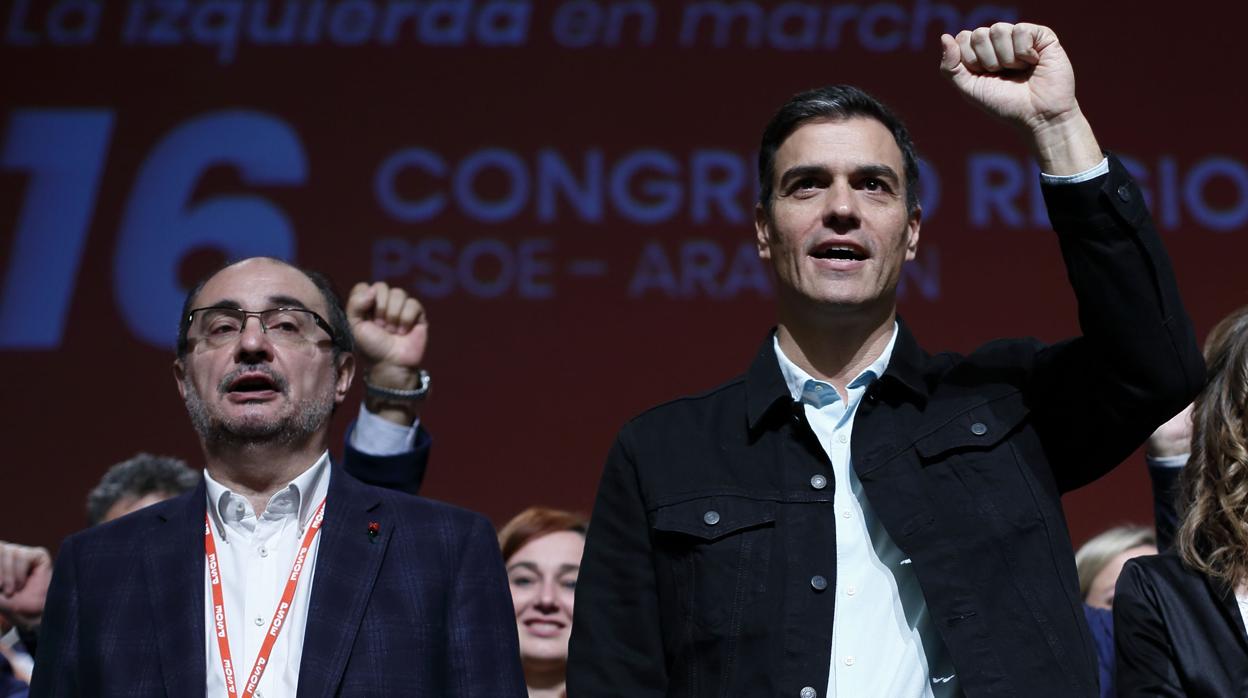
x,y
1179,618
1100,561
542,551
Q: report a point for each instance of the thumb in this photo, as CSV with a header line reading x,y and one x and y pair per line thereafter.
x,y
951,62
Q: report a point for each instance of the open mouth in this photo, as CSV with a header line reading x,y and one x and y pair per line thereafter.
x,y
253,382
839,251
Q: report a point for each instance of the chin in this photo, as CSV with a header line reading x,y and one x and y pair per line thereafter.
x,y
541,651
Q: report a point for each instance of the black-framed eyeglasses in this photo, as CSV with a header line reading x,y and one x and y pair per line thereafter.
x,y
289,326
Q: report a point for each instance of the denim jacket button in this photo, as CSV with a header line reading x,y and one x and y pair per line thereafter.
x,y
818,481
818,582
711,517
808,692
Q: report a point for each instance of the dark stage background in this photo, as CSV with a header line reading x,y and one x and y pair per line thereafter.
x,y
566,185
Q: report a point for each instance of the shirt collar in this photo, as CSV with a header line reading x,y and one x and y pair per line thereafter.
x,y
297,498
804,388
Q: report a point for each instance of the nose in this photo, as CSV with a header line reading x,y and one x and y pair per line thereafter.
x,y
547,598
253,342
840,208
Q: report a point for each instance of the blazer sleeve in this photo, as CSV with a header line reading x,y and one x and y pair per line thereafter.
x,y
1165,482
617,646
482,647
1145,656
403,472
56,666
1098,397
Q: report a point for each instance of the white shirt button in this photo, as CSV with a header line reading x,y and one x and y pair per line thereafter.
x,y
846,514
259,621
264,552
843,438
849,661
851,590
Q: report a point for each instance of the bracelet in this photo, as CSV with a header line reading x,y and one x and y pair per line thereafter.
x,y
396,394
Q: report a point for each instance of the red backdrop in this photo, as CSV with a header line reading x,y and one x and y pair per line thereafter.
x,y
567,186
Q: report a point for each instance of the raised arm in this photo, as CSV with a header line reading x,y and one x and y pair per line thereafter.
x,y
387,446
1095,399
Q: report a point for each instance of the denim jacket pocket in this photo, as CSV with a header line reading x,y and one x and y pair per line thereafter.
x,y
716,550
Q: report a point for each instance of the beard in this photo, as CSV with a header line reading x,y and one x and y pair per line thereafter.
x,y
307,416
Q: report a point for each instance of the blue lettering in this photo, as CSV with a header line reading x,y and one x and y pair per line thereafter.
x,y
159,227
665,193
64,150
511,202
1193,193
399,208
555,177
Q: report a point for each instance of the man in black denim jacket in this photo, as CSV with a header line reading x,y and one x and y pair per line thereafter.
x,y
854,516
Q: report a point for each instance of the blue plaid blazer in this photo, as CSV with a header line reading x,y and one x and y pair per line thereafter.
x,y
422,609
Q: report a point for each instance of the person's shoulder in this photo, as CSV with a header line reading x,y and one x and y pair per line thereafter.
x,y
416,508
1163,570
694,407
1006,362
118,537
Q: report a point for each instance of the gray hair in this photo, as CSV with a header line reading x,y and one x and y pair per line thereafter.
x,y
138,477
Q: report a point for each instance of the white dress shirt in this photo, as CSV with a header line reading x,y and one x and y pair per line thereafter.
x,y
255,557
883,640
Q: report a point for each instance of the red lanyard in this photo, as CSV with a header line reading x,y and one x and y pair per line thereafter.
x,y
275,626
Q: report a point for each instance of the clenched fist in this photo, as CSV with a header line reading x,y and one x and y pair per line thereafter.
x,y
1021,73
391,333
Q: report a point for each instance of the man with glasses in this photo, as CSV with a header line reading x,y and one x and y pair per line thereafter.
x,y
280,573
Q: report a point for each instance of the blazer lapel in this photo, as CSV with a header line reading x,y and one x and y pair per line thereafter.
x,y
1229,608
173,563
347,563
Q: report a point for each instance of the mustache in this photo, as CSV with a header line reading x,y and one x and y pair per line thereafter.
x,y
279,381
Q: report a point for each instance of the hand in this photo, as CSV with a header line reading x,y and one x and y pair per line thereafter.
x,y
391,333
1021,73
1174,438
24,576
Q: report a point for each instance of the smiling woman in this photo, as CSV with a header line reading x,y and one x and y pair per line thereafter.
x,y
542,550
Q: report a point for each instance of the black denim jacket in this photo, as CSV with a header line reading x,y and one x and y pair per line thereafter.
x,y
707,534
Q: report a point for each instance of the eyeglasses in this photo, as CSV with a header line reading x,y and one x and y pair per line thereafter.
x,y
287,326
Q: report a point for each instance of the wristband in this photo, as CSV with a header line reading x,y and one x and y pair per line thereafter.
x,y
415,395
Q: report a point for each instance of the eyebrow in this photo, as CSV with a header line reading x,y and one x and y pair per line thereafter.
x,y
879,171
287,302
533,566
274,301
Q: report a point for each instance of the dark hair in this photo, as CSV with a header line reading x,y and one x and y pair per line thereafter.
x,y
344,342
1212,538
535,522
835,103
138,477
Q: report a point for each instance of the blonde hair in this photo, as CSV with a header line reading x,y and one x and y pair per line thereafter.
x,y
1105,546
1213,538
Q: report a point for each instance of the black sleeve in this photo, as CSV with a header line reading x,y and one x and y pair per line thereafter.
x,y
617,647
1098,397
1145,658
403,472
1165,482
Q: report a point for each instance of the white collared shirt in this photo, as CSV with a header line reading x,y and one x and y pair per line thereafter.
x,y
255,556
883,639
